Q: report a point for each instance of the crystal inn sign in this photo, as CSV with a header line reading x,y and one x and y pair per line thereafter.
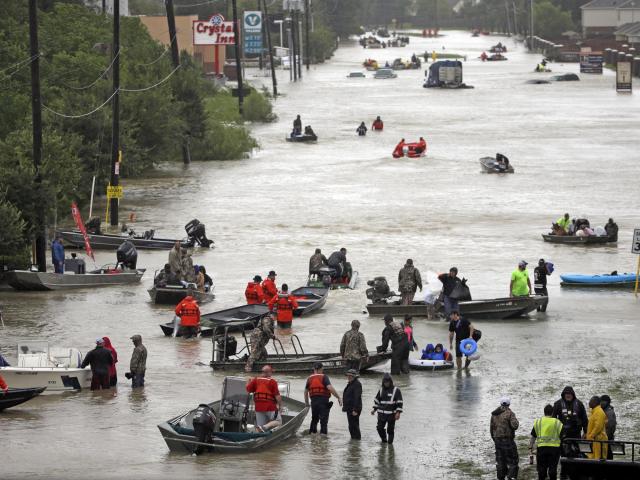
x,y
215,31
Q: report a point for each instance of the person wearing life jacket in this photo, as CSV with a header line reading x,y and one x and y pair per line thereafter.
x,y
319,389
428,352
189,314
398,152
484,56
571,412
377,124
267,400
269,286
421,147
361,130
253,293
545,435
285,304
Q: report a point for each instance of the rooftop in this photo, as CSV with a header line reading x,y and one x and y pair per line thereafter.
x,y
603,4
632,29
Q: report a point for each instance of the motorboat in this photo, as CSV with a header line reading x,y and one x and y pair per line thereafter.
x,y
18,396
625,463
310,299
491,165
196,236
234,427
384,73
606,280
579,240
302,138
326,277
39,365
40,281
227,357
496,57
174,294
247,315
485,309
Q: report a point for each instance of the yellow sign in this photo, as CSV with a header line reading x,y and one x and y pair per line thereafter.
x,y
114,192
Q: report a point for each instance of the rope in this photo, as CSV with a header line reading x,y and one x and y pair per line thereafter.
x,y
152,86
83,114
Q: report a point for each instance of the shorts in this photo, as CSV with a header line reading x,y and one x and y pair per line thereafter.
x,y
458,351
262,418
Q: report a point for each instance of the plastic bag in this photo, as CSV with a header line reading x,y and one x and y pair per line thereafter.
x,y
430,297
460,292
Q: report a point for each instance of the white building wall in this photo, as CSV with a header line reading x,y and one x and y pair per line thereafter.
x,y
599,18
628,15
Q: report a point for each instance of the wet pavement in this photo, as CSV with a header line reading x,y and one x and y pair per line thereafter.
x,y
574,148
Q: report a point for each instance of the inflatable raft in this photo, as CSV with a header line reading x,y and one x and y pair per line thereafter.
x,y
420,364
411,150
626,280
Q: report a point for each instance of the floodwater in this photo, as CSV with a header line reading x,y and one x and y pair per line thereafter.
x,y
574,148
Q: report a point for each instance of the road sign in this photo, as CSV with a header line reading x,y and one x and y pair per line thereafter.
x,y
114,192
252,21
623,77
252,39
635,245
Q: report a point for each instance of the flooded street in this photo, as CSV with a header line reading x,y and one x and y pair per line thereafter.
x,y
574,146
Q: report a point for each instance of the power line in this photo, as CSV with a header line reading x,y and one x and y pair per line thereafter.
x,y
197,4
152,86
86,87
19,65
161,55
82,114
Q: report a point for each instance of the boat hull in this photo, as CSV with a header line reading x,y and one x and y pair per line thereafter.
x,y
174,295
429,365
18,396
303,139
294,414
332,362
626,280
112,242
575,240
310,299
238,317
41,281
55,380
488,309
489,165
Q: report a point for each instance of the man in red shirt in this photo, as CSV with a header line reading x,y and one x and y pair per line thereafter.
x,y
269,286
267,400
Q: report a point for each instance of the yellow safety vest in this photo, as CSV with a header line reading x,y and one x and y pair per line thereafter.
x,y
547,431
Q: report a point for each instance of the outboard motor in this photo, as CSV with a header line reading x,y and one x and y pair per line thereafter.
x,y
93,226
127,255
148,234
379,291
196,232
204,420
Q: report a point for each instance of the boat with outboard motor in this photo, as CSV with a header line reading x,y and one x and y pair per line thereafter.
x,y
196,236
107,275
226,355
326,277
18,396
310,299
485,309
234,419
579,240
39,365
246,315
606,280
174,294
495,165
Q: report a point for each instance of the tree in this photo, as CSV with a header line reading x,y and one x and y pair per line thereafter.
x,y
550,21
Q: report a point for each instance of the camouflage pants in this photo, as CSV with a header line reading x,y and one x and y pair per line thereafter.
x,y
506,458
258,352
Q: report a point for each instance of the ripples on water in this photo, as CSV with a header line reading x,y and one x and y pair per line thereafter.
x,y
574,148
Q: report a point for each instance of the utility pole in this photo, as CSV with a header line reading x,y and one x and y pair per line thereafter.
x,y
267,30
259,7
307,15
531,25
300,46
175,57
292,46
515,18
236,35
36,116
104,7
506,8
115,121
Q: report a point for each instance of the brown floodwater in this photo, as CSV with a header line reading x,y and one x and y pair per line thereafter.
x,y
574,148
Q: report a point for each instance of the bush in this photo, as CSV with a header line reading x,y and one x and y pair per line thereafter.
x,y
13,232
323,44
258,107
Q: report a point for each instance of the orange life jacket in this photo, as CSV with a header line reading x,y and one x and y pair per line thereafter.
x,y
285,304
269,288
189,312
262,392
316,387
254,293
377,125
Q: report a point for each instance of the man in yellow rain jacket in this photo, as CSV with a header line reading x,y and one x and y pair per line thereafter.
x,y
596,430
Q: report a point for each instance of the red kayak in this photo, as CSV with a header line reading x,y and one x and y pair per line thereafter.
x,y
411,150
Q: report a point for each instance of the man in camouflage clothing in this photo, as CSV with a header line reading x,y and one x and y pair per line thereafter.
x,y
259,339
353,347
400,348
408,281
503,430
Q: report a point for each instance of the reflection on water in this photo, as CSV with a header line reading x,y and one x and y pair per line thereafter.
x,y
573,146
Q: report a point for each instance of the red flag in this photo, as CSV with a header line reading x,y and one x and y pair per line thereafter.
x,y
78,218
